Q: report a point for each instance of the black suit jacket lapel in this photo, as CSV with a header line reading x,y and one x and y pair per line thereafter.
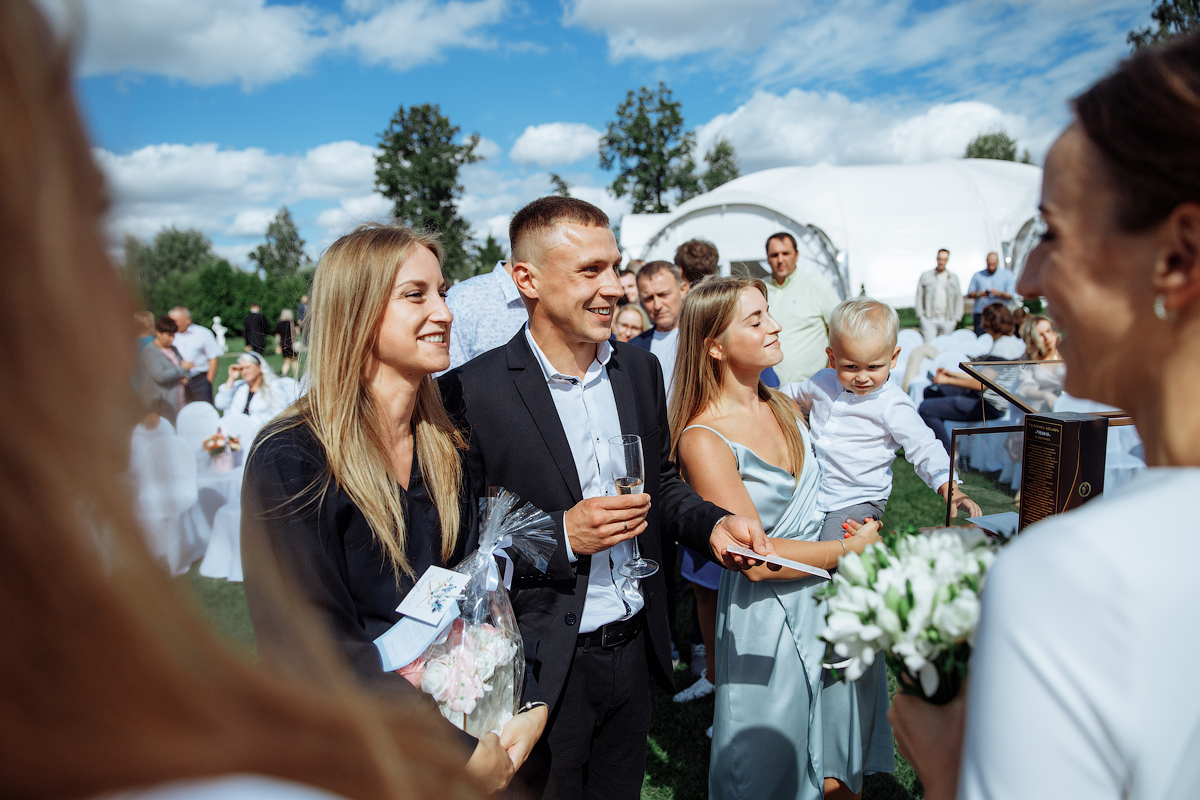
x,y
531,384
622,389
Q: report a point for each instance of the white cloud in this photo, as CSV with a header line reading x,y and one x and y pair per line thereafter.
x,y
803,127
555,143
406,33
487,148
1025,55
234,194
255,43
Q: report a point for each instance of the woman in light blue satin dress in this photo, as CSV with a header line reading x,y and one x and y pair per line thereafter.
x,y
744,447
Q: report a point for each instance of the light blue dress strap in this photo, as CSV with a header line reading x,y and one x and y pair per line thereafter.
x,y
732,445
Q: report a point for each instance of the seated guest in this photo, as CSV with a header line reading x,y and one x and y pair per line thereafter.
x,y
252,388
631,320
359,486
959,397
113,685
1040,385
697,259
1077,685
162,372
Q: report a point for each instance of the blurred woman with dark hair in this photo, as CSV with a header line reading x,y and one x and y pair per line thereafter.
x,y
162,372
1080,683
108,679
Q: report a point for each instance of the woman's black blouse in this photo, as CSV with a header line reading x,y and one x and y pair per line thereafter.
x,y
327,550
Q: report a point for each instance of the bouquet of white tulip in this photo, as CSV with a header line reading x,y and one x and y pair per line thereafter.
x,y
915,600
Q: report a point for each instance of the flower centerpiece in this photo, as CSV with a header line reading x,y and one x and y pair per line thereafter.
x,y
220,449
914,600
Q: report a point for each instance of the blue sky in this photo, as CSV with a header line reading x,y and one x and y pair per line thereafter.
x,y
212,113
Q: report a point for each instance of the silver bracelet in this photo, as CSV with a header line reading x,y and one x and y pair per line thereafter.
x,y
842,542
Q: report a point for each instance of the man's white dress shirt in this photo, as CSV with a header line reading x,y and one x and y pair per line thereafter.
x,y
197,345
587,410
664,346
855,439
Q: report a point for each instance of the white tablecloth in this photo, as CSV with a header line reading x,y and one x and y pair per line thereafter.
x,y
220,497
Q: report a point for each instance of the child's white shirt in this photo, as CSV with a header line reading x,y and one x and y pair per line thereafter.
x,y
855,439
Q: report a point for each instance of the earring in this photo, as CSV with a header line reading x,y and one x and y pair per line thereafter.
x,y
1160,307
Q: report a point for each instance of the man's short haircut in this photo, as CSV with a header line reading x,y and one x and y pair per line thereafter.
x,y
697,259
634,265
165,325
254,306
654,267
861,318
943,250
783,235
180,310
543,214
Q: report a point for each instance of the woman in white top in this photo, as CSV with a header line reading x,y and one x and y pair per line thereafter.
x,y
1081,681
252,388
1040,385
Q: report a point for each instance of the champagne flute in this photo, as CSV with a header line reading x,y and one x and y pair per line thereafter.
x,y
629,474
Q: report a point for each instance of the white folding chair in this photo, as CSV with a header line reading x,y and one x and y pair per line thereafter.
x,y
168,503
909,339
196,422
244,427
964,339
944,342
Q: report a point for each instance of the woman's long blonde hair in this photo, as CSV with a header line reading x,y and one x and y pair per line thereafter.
x,y
350,293
708,310
109,680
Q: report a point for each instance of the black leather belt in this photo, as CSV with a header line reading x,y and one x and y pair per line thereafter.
x,y
614,634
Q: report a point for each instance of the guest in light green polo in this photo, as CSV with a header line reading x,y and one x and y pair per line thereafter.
x,y
801,302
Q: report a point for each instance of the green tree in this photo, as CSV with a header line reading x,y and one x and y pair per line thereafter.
x,y
651,151
488,254
722,164
997,145
561,187
283,252
417,169
165,271
1172,18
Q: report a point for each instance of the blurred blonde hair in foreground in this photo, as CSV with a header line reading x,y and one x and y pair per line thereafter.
x,y
108,679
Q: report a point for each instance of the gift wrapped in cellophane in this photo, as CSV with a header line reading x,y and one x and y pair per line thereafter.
x,y
475,669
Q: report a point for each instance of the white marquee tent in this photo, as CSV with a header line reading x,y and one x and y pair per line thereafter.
x,y
876,226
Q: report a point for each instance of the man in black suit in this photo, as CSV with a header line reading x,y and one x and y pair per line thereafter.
x,y
540,411
255,328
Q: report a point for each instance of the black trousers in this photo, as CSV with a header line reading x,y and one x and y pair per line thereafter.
x,y
197,389
595,741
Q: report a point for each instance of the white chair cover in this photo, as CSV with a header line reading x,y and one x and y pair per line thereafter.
x,y
909,339
196,422
964,339
168,502
224,556
944,342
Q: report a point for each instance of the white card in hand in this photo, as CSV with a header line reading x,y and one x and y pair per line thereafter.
x,y
432,593
783,562
409,638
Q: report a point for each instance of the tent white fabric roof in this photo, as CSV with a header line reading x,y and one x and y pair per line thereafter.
x,y
873,226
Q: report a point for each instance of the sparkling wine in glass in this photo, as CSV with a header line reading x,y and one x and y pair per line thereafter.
x,y
629,475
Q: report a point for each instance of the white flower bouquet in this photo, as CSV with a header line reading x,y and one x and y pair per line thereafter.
x,y
914,600
475,669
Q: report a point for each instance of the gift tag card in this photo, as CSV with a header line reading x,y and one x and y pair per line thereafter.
x,y
409,638
783,562
434,591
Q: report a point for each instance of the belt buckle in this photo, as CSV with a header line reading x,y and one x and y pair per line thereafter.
x,y
616,633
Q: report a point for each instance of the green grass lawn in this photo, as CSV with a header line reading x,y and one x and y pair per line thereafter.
x,y
677,751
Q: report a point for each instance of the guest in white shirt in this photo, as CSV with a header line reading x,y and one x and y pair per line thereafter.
x,y
939,303
858,421
253,389
487,312
198,345
1081,681
662,288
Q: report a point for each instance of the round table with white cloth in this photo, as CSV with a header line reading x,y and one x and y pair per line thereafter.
x,y
221,492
